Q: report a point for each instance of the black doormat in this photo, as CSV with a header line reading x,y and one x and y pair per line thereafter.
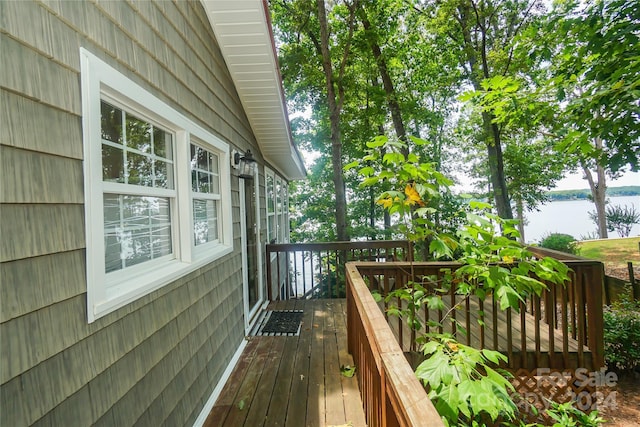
x,y
282,323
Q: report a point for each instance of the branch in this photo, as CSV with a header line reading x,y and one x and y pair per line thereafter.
x,y
345,53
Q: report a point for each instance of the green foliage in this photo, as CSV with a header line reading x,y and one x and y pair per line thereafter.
x,y
620,219
622,335
462,383
560,242
599,41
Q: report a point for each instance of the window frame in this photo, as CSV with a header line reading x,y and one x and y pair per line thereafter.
x,y
210,196
106,292
270,196
280,212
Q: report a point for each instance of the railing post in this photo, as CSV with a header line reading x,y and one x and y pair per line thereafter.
x,y
595,315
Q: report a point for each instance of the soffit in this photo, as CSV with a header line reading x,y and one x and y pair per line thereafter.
x,y
243,32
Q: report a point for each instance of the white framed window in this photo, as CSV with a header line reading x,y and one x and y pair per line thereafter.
x,y
157,190
271,206
205,194
277,208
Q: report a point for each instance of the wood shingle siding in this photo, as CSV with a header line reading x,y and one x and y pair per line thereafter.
x,y
23,292
30,230
42,183
20,129
156,360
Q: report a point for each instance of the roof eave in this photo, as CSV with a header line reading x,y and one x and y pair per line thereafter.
x,y
245,37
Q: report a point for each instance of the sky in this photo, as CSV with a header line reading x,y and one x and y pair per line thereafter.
x,y
573,181
576,182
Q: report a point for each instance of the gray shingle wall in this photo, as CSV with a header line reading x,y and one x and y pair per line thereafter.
x,y
156,360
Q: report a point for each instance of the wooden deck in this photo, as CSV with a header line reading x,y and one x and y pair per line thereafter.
x,y
294,380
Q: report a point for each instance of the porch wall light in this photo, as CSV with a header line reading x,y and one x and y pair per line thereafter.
x,y
246,164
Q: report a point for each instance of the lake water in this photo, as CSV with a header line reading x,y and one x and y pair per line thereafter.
x,y
571,217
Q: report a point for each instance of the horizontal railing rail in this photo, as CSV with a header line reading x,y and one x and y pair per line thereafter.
x,y
551,330
391,393
316,270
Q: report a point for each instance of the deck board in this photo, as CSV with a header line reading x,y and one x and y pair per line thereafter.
x,y
294,381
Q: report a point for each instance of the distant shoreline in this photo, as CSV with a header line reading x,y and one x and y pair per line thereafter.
x,y
584,194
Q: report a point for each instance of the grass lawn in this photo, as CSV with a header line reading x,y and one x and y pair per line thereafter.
x,y
612,251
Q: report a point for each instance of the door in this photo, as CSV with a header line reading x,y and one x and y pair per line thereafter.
x,y
253,288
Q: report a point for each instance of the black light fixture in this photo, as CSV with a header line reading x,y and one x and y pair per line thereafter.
x,y
245,164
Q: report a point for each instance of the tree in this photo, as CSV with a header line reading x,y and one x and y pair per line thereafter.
x,y
619,219
482,32
587,90
326,56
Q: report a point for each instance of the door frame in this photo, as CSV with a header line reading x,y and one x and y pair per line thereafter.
x,y
250,315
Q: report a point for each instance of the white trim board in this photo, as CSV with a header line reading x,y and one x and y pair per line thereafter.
x,y
206,410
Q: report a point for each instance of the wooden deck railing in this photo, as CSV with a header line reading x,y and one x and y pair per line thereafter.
x,y
391,393
560,329
316,270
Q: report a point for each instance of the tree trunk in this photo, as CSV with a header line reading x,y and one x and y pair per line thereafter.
x,y
477,60
342,232
599,193
387,83
496,167
520,214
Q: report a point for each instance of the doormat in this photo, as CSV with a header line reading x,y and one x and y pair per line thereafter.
x,y
281,323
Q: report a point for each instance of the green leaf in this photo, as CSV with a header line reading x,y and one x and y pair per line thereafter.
x,y
377,142
439,248
366,171
347,371
476,204
351,165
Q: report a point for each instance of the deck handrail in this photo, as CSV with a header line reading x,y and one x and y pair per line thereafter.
x,y
391,393
573,313
316,269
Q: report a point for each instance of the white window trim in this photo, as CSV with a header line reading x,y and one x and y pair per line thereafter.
x,y
99,80
269,174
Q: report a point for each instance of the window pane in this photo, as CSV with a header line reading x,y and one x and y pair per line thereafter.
x,y
111,122
270,194
161,241
112,261
194,157
213,163
138,134
162,144
203,182
215,184
203,159
278,196
112,164
136,228
272,228
139,169
205,221
204,171
194,180
111,211
164,175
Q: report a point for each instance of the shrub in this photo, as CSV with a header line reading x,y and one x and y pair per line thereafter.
x,y
622,335
560,242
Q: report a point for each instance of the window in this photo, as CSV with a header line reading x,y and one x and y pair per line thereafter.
x,y
136,156
271,206
277,208
205,188
157,190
